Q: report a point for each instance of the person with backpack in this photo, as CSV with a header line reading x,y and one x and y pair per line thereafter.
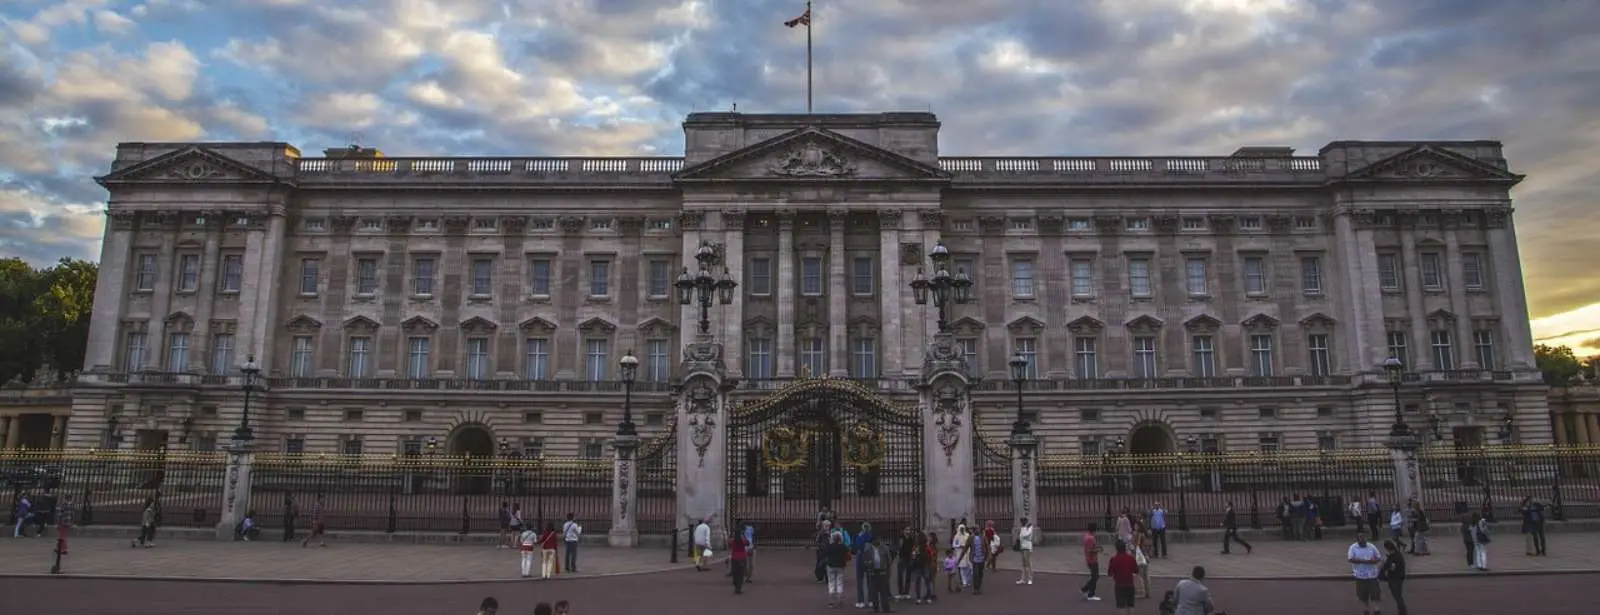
x,y
1533,526
1480,543
858,548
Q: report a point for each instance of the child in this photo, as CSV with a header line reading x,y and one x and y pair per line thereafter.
x,y
247,527
525,545
1169,604
950,571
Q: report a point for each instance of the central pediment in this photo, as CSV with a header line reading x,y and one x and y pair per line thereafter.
x,y
812,154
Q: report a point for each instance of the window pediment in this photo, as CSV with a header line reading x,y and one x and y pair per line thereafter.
x,y
417,325
1026,325
1086,325
759,326
598,326
657,328
1144,323
478,325
1317,322
180,322
361,324
537,325
1260,322
303,324
1440,319
967,326
1203,323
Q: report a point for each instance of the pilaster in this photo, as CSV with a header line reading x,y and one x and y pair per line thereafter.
x,y
110,292
785,275
1421,350
1510,294
733,313
838,351
1024,466
946,402
624,493
892,331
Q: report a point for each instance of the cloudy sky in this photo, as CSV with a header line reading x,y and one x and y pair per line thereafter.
x,y
1074,77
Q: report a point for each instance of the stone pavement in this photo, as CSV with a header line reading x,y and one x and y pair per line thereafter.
x,y
1277,559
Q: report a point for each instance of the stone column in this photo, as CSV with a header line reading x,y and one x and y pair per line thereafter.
x,y
1407,475
1024,489
1411,272
1558,428
58,431
9,430
947,418
235,489
624,489
1466,348
893,312
258,293
838,329
110,290
785,281
733,261
1510,295
702,446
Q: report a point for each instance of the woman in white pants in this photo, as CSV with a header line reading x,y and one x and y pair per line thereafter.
x,y
526,543
1480,542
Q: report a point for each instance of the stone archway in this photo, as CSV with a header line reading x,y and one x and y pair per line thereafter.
x,y
1152,438
471,441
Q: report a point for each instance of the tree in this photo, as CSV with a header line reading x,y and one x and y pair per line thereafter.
x,y
44,317
1559,365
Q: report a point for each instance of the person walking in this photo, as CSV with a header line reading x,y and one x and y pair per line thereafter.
x,y
66,516
860,545
1364,560
1158,531
1191,596
992,546
24,515
548,540
318,528
819,543
1124,572
1357,513
1480,542
506,538
878,558
1125,527
1393,572
978,550
1230,531
1091,557
1533,526
833,557
961,543
527,541
1025,537
749,551
921,559
1374,512
738,558
702,544
1140,551
290,513
1298,518
904,559
147,525
935,566
1419,529
1397,526
571,534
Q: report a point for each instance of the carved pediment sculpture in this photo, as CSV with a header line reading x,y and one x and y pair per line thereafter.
x,y
811,160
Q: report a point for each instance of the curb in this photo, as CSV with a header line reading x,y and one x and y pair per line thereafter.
x,y
307,581
1346,577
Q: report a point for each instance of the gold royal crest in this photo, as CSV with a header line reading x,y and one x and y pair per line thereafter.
x,y
864,448
785,448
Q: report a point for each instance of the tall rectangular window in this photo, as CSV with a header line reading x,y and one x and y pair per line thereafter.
x,y
1139,276
1261,355
1145,364
1028,349
1311,275
1320,361
360,357
1022,278
811,276
178,352
1205,356
419,362
222,354
145,274
300,357
1398,347
758,358
536,361
1389,272
658,278
482,277
1086,351
761,276
539,277
599,278
424,269
1195,275
1255,275
477,358
813,357
1082,277
596,358
1472,270
1432,271
310,274
1444,354
366,275
861,276
1483,341
134,355
658,361
232,273
969,351
863,358
189,273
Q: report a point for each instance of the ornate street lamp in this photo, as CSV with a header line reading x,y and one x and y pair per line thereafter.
x,y
1019,375
630,367
431,447
1191,444
1109,480
945,288
708,287
243,435
1397,373
1508,427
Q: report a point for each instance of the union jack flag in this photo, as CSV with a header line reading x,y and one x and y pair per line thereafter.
x,y
803,20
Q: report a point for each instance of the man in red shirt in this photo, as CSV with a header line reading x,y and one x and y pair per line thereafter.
x,y
1124,571
1091,556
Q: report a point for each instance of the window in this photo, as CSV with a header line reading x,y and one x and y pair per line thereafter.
x,y
661,224
483,224
1028,349
658,278
600,224
352,446
1079,224
761,276
811,276
418,365
1444,356
178,352
300,357
1261,355
1144,357
657,362
1311,275
1089,447
533,418
1389,272
315,224
1022,278
222,353
1194,223
1082,277
536,351
1255,275
533,448
1195,274
1483,341
539,277
232,273
1320,361
145,275
593,448
1267,412
1305,222
482,277
371,224
813,357
1472,270
1205,356
366,275
294,446
1138,224
427,225
360,357
412,416
595,361
188,273
1021,224
861,278
1327,441
594,418
297,413
1086,350
969,351
1250,223
477,358
310,272
1089,415
1270,443
1397,347
1139,276
599,278
423,271
1432,272
863,358
655,419
758,358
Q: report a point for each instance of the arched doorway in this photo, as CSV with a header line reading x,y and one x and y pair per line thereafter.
x,y
1152,439
472,441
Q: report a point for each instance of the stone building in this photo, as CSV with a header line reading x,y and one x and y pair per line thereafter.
x,y
1236,302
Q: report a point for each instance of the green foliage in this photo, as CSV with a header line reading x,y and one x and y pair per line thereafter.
x,y
1559,365
44,317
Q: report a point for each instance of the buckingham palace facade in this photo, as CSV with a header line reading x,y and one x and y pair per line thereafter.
x,y
1237,302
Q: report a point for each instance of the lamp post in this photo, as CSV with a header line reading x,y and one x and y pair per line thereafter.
x,y
707,286
1190,443
946,288
1110,482
243,435
1019,375
1397,372
630,367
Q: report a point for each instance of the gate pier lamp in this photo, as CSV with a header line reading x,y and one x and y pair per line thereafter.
x,y
944,287
250,370
630,367
705,286
1019,375
1397,373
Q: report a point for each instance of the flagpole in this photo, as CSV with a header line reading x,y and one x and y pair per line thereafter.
x,y
811,19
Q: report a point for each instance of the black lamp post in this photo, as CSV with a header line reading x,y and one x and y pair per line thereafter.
x,y
1397,373
1019,375
946,288
1508,427
708,287
1110,479
431,447
1190,445
630,367
243,435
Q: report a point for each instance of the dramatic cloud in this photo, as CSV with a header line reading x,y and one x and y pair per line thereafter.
x,y
441,77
